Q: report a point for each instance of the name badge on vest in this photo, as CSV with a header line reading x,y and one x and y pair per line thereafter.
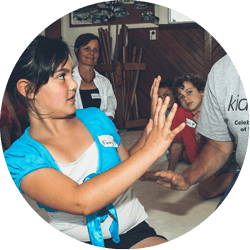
x,y
95,96
191,123
107,141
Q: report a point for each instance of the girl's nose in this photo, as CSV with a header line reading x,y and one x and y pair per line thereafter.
x,y
73,85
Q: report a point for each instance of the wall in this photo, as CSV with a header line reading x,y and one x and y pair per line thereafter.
x,y
179,49
70,34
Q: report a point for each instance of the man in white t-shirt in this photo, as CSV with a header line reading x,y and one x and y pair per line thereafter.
x,y
223,121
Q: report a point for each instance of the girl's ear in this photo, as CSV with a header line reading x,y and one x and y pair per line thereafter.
x,y
22,86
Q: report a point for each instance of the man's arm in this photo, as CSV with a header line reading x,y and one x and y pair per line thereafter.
x,y
212,157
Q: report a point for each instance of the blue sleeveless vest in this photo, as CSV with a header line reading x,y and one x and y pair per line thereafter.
x,y
107,140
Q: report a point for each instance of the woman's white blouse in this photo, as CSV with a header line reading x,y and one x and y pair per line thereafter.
x,y
108,99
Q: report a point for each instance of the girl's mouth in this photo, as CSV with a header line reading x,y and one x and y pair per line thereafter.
x,y
72,99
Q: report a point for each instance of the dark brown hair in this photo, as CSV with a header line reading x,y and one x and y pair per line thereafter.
x,y
196,80
83,40
37,64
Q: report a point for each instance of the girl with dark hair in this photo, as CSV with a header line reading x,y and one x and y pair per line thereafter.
x,y
94,90
72,162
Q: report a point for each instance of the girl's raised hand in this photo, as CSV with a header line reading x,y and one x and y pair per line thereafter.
x,y
154,95
159,139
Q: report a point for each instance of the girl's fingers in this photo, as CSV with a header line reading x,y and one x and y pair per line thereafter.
x,y
177,130
155,87
157,110
162,113
168,123
151,90
154,96
159,78
172,113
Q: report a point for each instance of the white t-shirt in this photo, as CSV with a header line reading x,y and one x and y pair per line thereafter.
x,y
130,212
224,113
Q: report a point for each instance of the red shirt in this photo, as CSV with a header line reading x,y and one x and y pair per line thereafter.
x,y
187,135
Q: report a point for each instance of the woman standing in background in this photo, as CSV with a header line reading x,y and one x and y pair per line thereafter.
x,y
94,90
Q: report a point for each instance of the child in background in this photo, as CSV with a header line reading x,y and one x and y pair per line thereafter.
x,y
188,90
165,89
187,145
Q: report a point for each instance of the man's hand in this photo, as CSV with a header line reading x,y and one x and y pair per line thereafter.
x,y
167,179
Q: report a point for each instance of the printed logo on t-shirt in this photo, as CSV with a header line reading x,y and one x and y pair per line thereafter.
x,y
107,141
239,104
191,123
95,96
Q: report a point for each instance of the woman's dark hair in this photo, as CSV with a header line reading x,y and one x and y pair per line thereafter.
x,y
83,40
37,64
196,80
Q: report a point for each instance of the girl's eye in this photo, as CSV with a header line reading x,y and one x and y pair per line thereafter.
x,y
61,77
165,95
189,92
96,50
181,97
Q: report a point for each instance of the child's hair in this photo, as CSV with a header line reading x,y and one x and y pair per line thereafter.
x,y
196,80
37,64
166,84
83,40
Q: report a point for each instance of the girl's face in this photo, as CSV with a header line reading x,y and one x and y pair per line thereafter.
x,y
89,54
190,98
56,98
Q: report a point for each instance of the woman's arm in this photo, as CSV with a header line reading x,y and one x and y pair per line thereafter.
x,y
212,157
